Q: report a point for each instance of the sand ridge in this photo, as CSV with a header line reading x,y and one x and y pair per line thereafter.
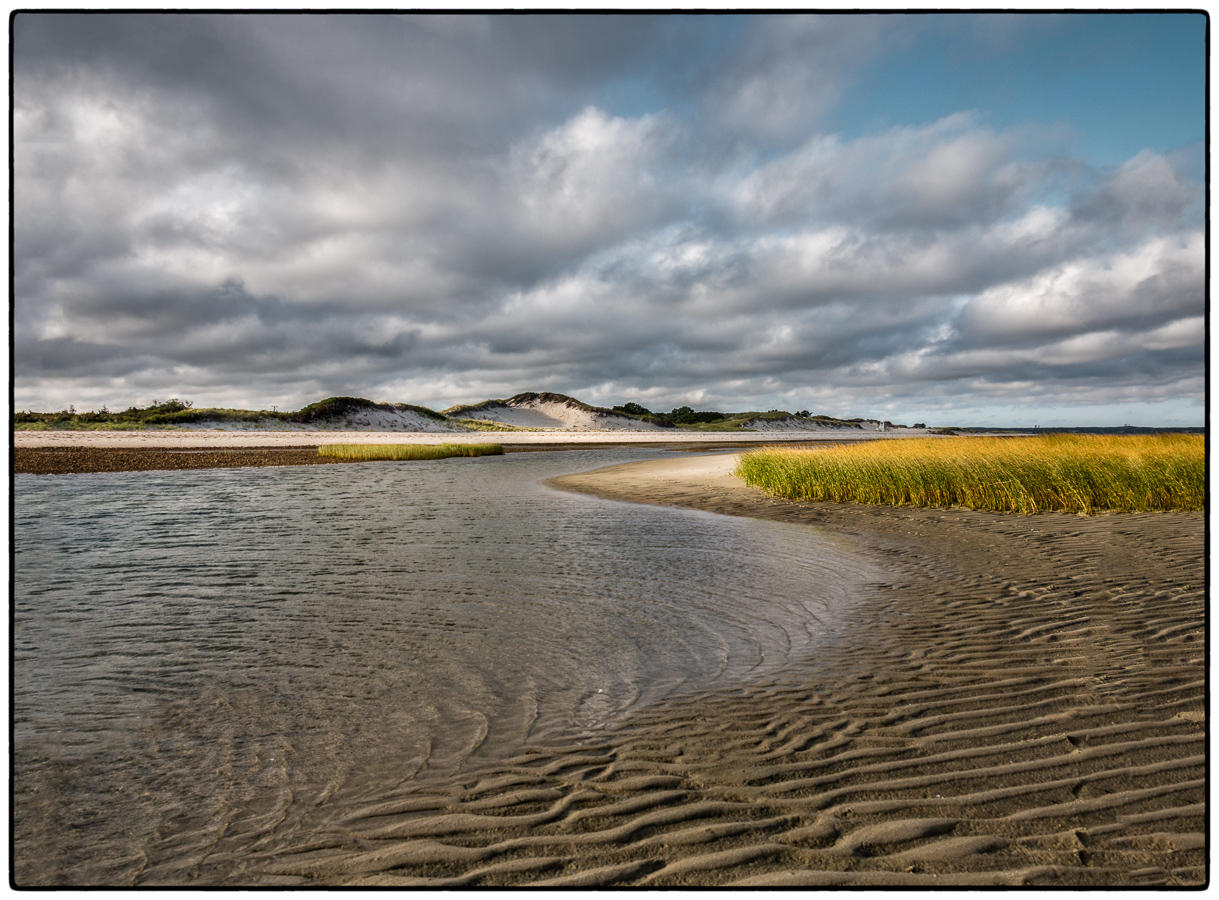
x,y
1021,702
557,411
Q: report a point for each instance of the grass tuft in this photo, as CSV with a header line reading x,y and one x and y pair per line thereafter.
x,y
1072,473
407,451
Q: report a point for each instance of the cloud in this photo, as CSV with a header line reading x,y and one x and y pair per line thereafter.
x,y
1144,287
1145,192
264,210
945,174
789,70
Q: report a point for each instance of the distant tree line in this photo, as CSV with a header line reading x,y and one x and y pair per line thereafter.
x,y
680,415
684,415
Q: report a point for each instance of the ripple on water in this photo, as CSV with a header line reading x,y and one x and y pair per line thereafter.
x,y
201,644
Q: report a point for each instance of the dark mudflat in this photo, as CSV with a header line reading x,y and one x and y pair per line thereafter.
x,y
68,460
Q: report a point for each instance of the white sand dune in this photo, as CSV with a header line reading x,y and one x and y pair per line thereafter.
x,y
552,411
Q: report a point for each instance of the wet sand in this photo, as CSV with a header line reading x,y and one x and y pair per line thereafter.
x,y
70,460
1021,702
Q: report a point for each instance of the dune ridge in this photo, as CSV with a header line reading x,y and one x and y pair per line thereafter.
x,y
1021,703
549,411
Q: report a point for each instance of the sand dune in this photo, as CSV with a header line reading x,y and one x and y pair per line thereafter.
x,y
534,410
370,418
1021,702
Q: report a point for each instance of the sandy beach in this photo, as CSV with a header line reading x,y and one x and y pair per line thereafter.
x,y
1019,702
1023,703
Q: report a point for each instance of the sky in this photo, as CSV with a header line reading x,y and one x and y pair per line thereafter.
x,y
989,219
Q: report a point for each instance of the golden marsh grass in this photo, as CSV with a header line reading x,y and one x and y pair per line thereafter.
x,y
1067,472
407,451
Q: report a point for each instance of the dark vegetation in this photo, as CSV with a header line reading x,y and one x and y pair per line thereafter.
x,y
182,412
681,415
158,413
708,420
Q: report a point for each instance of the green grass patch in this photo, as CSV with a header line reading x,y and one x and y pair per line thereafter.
x,y
1066,472
407,451
488,425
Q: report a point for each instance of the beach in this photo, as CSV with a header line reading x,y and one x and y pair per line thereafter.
x,y
1019,700
1022,703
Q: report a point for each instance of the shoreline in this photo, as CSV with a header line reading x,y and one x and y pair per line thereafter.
x,y
1034,685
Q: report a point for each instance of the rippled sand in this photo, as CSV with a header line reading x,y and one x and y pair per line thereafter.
x,y
1021,704
1020,701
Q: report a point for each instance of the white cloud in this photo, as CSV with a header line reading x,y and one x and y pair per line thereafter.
x,y
948,172
1158,280
595,176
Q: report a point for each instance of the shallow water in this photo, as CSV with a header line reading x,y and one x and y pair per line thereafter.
x,y
207,650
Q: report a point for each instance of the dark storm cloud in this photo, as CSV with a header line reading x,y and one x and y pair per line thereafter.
x,y
263,209
69,356
346,80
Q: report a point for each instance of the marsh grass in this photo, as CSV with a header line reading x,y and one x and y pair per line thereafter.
x,y
489,425
1073,473
407,451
